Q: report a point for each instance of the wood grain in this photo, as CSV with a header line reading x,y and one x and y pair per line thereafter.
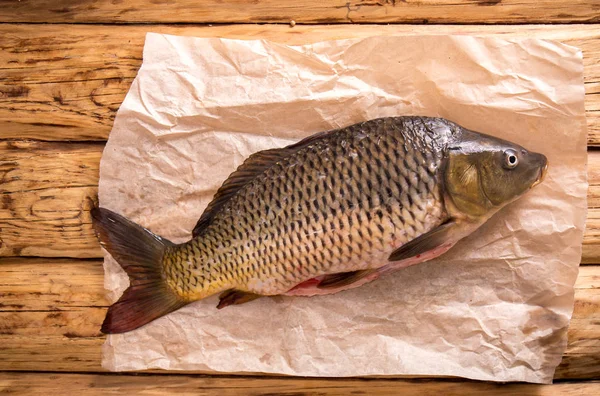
x,y
95,384
66,82
46,192
47,189
50,312
306,11
52,323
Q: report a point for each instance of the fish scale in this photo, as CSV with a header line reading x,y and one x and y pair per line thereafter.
x,y
338,205
331,212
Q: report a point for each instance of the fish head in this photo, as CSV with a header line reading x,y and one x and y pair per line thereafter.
x,y
484,173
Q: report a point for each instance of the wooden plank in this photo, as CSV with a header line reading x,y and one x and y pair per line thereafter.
x,y
582,357
50,285
307,11
47,189
46,192
53,324
95,384
591,238
65,82
50,314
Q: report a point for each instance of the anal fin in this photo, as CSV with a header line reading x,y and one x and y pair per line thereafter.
x,y
235,297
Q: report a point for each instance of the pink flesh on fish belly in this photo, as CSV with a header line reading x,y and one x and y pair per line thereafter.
x,y
310,287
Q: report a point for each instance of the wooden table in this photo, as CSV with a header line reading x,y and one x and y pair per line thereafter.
x,y
65,67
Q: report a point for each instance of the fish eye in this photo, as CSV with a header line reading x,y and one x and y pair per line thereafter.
x,y
511,160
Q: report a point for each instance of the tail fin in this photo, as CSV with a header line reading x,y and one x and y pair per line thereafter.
x,y
140,253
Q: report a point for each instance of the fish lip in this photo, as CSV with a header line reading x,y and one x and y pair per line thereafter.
x,y
542,175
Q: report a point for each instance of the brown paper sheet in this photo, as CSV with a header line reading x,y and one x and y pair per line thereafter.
x,y
496,307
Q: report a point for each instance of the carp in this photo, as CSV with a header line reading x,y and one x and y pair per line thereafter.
x,y
334,211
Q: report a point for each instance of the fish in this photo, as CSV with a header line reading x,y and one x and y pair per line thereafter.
x,y
329,213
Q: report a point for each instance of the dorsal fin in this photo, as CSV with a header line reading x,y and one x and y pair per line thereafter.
x,y
254,165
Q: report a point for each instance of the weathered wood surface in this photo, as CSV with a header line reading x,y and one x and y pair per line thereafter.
x,y
73,384
46,192
51,311
306,11
66,82
47,189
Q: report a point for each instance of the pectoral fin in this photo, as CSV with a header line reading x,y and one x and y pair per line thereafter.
x,y
425,243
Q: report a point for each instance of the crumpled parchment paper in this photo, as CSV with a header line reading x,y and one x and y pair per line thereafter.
x,y
496,307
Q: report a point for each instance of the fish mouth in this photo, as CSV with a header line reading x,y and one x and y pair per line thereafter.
x,y
542,175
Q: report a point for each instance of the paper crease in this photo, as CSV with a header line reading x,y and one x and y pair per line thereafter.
x,y
495,307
